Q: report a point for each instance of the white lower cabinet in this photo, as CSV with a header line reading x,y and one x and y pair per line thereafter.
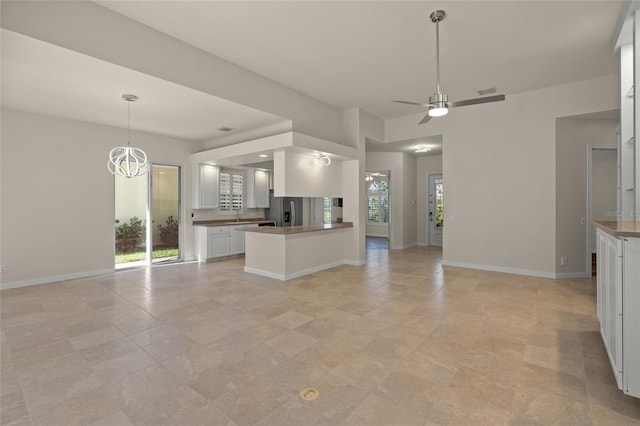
x,y
219,241
618,307
237,240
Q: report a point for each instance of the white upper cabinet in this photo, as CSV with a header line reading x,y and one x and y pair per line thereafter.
x,y
205,186
257,189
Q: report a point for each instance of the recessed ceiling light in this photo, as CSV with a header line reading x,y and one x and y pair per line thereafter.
x,y
422,148
263,156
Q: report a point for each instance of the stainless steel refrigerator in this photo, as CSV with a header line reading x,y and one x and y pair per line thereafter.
x,y
285,211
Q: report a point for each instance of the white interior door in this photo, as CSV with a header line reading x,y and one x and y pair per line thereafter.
x,y
436,209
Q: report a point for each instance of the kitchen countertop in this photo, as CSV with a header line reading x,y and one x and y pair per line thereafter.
x,y
226,222
619,229
288,230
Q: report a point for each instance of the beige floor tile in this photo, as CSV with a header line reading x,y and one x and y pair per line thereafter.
x,y
94,338
169,347
251,403
536,407
291,319
108,351
116,419
29,336
207,416
553,381
378,411
123,365
400,340
291,343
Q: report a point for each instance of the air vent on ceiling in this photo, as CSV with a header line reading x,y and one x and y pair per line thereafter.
x,y
225,129
487,91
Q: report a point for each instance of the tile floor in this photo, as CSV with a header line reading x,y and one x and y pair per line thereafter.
x,y
399,341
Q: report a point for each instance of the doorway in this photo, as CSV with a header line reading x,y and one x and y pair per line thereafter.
x,y
153,199
378,187
602,191
435,220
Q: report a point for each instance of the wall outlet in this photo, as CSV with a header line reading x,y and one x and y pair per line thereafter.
x,y
3,268
563,260
583,221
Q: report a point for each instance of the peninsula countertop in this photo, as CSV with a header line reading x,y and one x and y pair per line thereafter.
x,y
619,229
289,230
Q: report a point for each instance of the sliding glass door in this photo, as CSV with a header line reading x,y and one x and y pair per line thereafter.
x,y
165,213
147,217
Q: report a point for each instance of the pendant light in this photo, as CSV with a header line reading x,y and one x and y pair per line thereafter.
x,y
125,160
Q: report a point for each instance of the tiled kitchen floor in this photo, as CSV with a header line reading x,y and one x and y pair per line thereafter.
x,y
396,342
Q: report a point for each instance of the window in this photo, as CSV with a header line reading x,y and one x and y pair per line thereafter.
x,y
378,201
230,191
326,210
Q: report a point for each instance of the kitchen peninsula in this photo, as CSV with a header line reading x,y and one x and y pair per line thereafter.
x,y
289,252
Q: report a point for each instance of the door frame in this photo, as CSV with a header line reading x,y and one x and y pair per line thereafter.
x,y
390,202
428,227
149,213
590,149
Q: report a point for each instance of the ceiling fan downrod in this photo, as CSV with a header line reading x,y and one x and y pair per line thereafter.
x,y
438,100
436,17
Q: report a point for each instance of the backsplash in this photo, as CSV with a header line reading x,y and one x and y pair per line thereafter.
x,y
215,214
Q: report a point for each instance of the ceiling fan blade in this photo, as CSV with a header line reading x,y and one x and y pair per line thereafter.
x,y
425,119
475,101
412,103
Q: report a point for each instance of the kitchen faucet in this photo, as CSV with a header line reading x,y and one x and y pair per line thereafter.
x,y
238,215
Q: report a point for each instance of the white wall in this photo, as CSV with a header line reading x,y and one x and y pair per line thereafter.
x,y
426,164
572,138
58,196
603,188
299,175
499,169
358,126
409,201
89,29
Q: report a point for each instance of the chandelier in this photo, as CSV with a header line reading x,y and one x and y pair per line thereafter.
x,y
125,160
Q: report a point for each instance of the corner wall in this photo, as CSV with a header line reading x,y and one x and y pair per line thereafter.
x,y
426,164
572,138
57,195
402,188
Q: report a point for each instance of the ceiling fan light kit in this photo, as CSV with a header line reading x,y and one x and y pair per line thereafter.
x,y
439,102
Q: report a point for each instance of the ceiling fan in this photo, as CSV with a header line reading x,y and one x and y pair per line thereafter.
x,y
439,102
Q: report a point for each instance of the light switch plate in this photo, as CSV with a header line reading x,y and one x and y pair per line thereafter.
x,y
3,268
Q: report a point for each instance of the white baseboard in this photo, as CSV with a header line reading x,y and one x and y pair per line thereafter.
x,y
405,246
54,278
356,262
564,275
286,277
492,268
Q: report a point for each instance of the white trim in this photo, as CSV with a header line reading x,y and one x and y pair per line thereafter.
x,y
492,268
54,278
404,246
286,277
563,275
428,208
355,262
588,218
